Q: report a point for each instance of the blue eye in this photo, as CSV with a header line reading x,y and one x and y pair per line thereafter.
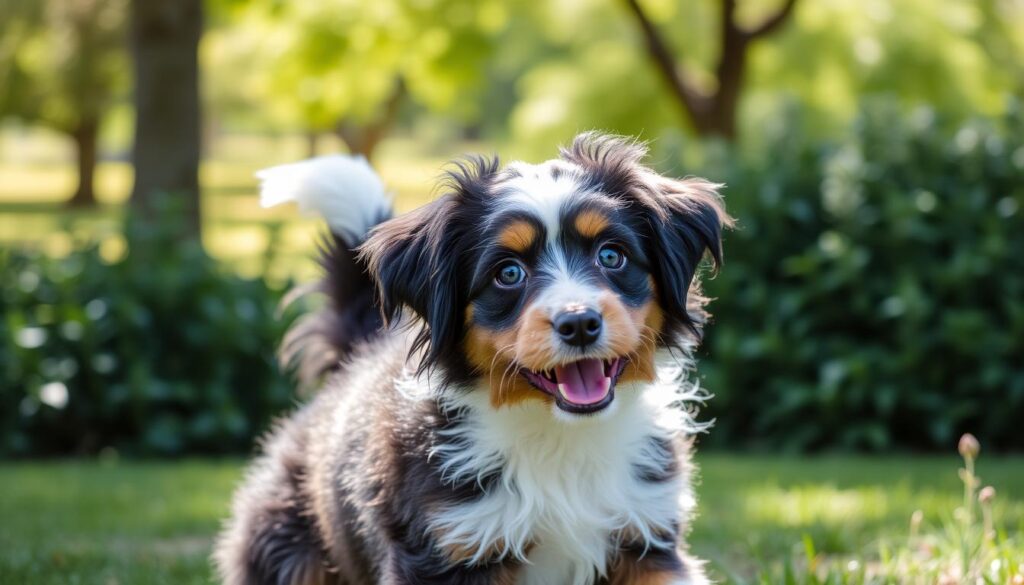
x,y
510,274
611,257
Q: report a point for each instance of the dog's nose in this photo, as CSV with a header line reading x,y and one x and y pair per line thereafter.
x,y
578,327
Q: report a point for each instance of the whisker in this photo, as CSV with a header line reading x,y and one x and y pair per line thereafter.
x,y
497,353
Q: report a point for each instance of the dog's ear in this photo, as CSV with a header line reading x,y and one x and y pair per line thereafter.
x,y
686,219
412,259
416,259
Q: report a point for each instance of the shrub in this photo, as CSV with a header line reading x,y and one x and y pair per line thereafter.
x,y
873,294
160,352
872,298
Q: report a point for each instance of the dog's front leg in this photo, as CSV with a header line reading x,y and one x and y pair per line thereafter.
x,y
408,566
655,566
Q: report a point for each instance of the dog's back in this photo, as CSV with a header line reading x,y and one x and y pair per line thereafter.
x,y
279,521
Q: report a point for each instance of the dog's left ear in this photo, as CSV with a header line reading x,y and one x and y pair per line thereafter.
x,y
686,219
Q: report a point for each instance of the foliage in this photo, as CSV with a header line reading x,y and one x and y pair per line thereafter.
x,y
62,62
317,64
159,352
961,57
871,295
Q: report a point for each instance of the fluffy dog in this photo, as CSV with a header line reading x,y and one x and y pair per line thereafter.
x,y
504,398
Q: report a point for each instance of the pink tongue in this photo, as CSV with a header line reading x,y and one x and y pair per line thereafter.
x,y
583,382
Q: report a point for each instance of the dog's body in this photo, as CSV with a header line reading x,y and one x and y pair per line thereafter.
x,y
524,423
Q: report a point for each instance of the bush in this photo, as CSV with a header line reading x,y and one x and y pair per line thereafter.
x,y
873,294
872,298
157,353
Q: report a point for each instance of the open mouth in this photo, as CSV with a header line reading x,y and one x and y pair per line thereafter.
x,y
581,387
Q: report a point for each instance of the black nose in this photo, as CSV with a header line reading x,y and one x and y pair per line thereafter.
x,y
578,327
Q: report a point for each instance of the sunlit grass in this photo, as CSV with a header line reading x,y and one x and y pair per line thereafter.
x,y
758,513
129,522
236,229
813,504
108,523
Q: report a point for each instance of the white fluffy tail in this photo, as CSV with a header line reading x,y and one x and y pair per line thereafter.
x,y
344,190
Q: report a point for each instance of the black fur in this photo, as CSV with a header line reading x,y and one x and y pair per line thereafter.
x,y
418,259
319,341
353,316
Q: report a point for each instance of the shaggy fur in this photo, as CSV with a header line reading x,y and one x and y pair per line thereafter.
x,y
467,430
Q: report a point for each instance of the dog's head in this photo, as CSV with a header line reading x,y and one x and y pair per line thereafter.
x,y
552,282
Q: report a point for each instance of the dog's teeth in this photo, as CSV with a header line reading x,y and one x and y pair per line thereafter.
x,y
561,390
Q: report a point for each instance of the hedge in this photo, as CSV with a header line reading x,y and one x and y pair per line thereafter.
x,y
872,299
873,295
159,353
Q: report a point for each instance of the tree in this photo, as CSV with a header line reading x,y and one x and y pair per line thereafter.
x,y
352,68
712,111
63,65
364,138
588,67
165,43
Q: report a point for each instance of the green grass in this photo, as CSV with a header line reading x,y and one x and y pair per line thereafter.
x,y
236,230
146,522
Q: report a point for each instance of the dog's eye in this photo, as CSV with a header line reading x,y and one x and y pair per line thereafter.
x,y
611,257
510,274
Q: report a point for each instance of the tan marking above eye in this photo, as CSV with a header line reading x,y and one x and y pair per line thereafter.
x,y
518,236
590,223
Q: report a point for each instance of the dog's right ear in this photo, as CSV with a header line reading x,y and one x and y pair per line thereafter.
x,y
412,259
416,258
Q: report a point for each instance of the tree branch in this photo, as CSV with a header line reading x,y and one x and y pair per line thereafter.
x,y
693,100
363,139
772,22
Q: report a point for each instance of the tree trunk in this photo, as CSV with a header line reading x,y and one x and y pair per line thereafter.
x,y
712,113
720,119
165,42
85,137
312,143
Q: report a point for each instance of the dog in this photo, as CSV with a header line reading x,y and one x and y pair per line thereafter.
x,y
505,393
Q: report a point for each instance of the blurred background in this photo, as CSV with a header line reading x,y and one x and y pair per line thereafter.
x,y
872,298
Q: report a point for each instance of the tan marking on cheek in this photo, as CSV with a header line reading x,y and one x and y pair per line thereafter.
x,y
633,332
535,344
493,354
642,363
518,236
620,324
590,223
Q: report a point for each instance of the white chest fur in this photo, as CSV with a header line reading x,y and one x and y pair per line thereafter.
x,y
567,486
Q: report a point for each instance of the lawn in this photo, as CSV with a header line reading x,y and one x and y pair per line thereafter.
x,y
35,183
118,522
